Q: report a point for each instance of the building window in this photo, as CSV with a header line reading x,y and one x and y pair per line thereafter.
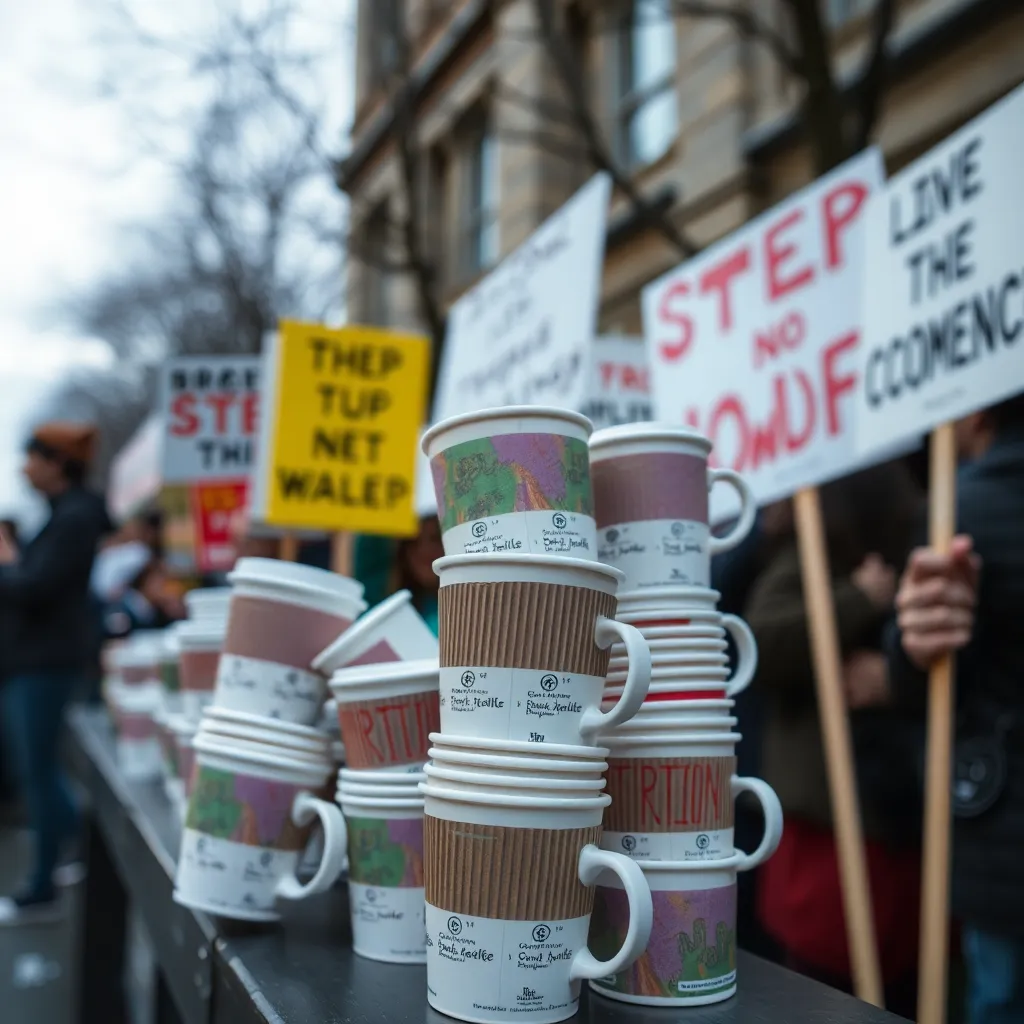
x,y
478,203
375,261
384,21
646,114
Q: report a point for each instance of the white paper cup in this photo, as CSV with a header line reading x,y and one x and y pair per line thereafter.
x,y
134,708
673,743
651,488
675,689
657,722
524,648
369,791
391,631
686,602
720,706
553,513
386,713
200,643
281,616
452,777
385,778
694,907
385,877
509,876
245,830
670,673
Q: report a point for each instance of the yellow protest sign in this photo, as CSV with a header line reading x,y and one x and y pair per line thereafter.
x,y
338,448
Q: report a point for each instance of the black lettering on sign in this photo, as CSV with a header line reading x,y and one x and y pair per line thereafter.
x,y
370,362
978,326
372,491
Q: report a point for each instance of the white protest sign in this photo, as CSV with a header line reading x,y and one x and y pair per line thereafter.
x,y
754,341
944,285
620,382
520,336
210,407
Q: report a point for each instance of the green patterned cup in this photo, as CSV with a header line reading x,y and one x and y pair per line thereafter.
x,y
514,480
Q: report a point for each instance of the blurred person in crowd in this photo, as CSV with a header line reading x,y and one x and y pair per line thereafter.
x,y
968,603
8,536
150,601
44,590
869,521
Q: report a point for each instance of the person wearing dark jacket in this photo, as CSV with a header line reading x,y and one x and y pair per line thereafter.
x,y
969,603
44,597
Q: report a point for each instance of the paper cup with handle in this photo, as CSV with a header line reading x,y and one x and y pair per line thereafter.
x,y
281,615
514,480
690,959
247,823
651,487
509,893
524,648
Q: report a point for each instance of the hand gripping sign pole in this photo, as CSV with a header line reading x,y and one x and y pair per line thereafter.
x,y
835,728
934,950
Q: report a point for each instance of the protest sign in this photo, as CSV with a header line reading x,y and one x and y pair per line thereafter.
x,y
521,335
754,341
214,505
620,385
344,409
943,333
944,283
210,405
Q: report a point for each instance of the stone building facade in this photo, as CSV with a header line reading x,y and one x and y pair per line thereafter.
x,y
704,119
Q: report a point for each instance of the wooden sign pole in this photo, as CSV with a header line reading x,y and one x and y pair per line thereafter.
x,y
341,553
835,729
934,951
289,547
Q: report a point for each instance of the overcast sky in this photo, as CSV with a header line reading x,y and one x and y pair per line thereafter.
x,y
69,177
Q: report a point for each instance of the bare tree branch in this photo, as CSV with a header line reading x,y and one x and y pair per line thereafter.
x,y
747,24
571,76
867,98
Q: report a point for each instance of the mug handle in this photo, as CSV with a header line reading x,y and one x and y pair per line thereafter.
x,y
638,676
593,862
748,509
746,654
305,808
772,811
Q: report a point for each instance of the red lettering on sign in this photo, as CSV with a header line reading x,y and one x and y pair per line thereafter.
x,y
220,405
776,254
184,421
787,335
835,385
250,408
840,207
673,351
719,278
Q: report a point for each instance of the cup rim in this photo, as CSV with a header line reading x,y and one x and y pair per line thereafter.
x,y
517,747
209,596
395,804
677,738
668,674
247,718
202,632
668,594
701,704
487,780
630,433
377,778
379,672
564,766
588,803
358,629
309,768
556,562
676,721
501,413
728,863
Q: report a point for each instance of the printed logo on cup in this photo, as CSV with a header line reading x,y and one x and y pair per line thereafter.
x,y
525,492
670,808
691,955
